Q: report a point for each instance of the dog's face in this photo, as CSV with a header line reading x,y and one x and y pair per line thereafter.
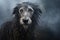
x,y
25,12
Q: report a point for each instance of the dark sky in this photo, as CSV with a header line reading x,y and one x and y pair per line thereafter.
x,y
50,17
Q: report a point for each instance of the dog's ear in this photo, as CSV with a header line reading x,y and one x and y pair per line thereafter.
x,y
39,10
16,9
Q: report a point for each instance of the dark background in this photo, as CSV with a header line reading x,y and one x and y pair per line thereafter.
x,y
50,17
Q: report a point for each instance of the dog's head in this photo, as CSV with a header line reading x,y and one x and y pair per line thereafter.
x,y
25,12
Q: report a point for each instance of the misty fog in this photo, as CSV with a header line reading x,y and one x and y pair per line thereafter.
x,y
50,8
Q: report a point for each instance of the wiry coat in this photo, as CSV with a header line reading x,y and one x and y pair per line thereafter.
x,y
13,30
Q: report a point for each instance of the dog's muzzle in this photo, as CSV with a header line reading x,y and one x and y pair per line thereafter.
x,y
25,21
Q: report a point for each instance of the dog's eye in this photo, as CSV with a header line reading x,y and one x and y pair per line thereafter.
x,y
21,10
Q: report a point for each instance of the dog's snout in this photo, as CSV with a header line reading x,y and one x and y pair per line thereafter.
x,y
25,21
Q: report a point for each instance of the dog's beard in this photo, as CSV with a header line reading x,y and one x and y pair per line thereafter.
x,y
25,26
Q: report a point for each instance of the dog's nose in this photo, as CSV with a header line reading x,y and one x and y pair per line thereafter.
x,y
25,21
